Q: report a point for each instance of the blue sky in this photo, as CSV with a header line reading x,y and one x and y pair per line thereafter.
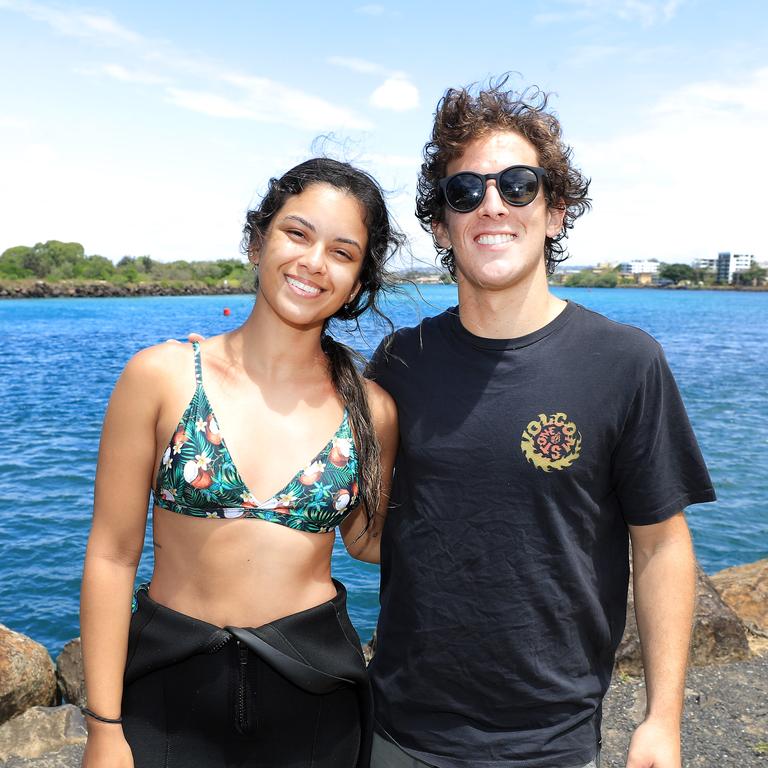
x,y
148,128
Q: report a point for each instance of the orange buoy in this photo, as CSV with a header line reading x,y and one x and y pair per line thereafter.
x,y
227,312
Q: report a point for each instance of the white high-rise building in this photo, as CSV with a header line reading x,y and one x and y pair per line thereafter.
x,y
707,265
638,267
729,264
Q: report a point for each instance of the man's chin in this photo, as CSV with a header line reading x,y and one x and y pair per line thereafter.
x,y
494,279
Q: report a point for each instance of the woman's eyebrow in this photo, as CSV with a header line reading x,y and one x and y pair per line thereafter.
x,y
312,228
349,241
306,223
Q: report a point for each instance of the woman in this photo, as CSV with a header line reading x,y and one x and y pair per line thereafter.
x,y
240,652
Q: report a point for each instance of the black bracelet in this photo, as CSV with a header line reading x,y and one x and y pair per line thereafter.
x,y
91,713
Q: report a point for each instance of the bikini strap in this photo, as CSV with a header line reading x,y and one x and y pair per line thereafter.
x,y
198,364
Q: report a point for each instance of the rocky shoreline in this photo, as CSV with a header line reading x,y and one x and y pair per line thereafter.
x,y
40,289
726,702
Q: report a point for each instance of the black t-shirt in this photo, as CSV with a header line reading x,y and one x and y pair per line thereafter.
x,y
504,556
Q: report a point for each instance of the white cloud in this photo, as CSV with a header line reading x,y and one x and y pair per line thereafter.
x,y
357,65
372,9
125,75
713,96
75,23
167,221
396,93
10,121
258,98
209,104
265,101
686,184
645,12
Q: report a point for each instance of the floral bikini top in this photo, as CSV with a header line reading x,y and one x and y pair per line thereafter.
x,y
197,476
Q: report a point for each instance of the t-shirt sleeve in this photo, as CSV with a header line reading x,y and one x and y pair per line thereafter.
x,y
379,368
657,466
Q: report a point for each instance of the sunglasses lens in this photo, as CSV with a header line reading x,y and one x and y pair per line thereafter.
x,y
518,186
464,191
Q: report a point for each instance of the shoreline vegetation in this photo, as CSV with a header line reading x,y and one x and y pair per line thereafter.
x,y
55,269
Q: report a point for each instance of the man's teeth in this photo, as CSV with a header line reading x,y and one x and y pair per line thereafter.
x,y
303,286
495,239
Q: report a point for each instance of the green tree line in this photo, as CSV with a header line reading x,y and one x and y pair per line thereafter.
x,y
680,274
683,273
54,261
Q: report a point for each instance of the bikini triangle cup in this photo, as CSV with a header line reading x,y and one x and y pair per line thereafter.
x,y
197,476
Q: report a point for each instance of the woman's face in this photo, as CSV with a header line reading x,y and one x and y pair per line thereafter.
x,y
312,254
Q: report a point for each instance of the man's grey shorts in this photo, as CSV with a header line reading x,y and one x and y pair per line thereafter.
x,y
385,754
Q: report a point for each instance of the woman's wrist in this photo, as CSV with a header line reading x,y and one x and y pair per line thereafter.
x,y
101,718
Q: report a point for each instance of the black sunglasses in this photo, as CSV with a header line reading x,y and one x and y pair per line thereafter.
x,y
517,185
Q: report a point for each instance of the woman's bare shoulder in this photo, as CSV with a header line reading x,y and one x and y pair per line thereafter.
x,y
157,360
381,403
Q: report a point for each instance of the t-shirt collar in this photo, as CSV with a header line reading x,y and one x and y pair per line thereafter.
x,y
481,342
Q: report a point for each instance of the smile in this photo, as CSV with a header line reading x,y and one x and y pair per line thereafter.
x,y
305,289
495,239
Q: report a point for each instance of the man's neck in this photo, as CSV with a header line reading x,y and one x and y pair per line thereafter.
x,y
510,313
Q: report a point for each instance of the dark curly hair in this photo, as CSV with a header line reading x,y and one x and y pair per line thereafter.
x,y
466,114
384,239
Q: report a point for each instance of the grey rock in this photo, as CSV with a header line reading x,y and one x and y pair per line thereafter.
x,y
27,676
40,730
70,756
69,673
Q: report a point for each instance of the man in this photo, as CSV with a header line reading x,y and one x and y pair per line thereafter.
x,y
534,435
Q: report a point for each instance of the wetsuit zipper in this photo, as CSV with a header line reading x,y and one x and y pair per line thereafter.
x,y
242,714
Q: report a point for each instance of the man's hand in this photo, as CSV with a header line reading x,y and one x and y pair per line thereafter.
x,y
191,338
654,745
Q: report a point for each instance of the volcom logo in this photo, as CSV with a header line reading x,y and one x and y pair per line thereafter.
x,y
551,441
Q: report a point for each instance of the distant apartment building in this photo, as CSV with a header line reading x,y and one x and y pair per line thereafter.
x,y
642,271
729,264
705,265
638,267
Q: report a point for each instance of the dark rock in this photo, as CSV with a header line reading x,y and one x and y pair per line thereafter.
x,y
40,730
69,674
27,677
718,633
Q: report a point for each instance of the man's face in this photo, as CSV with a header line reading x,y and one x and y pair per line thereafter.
x,y
498,246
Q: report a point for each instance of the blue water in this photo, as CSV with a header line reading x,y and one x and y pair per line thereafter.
x,y
60,358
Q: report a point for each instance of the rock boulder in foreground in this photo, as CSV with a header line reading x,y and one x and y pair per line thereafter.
x,y
69,673
27,676
41,730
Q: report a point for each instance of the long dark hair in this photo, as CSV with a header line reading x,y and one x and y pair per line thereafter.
x,y
384,239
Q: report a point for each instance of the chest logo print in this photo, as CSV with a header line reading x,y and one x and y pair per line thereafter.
x,y
551,441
